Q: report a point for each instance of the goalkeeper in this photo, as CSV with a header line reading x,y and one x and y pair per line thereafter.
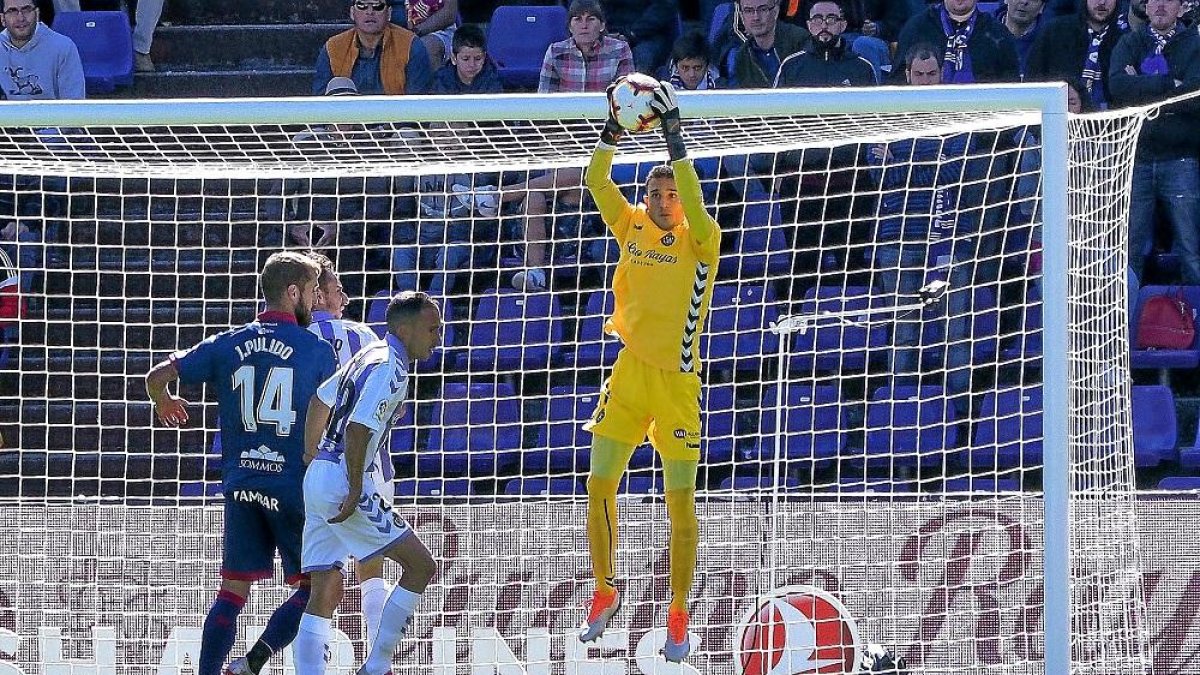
x,y
663,284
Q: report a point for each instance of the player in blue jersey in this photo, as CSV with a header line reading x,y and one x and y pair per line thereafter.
x,y
348,513
263,375
348,337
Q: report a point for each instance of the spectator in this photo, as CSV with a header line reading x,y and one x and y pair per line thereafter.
x,y
870,26
931,189
826,61
977,47
36,62
434,21
146,14
588,60
1136,16
381,57
1079,47
1023,19
647,25
470,71
754,63
20,249
1150,65
690,67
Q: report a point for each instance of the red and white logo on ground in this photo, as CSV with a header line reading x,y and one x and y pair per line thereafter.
x,y
797,630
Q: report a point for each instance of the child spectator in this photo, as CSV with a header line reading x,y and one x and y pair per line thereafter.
x,y
470,71
690,67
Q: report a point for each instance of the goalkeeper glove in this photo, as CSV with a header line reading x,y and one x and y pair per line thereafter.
x,y
612,133
668,111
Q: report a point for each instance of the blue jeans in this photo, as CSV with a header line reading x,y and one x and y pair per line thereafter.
x,y
900,272
1173,185
438,248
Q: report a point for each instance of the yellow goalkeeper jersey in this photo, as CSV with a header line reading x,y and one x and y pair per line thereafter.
x,y
664,280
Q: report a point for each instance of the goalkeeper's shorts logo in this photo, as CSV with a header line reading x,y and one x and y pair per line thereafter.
x,y
797,630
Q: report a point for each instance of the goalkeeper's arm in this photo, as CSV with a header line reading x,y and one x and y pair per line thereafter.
x,y
598,177
701,224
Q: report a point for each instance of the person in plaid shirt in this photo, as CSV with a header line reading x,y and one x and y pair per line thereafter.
x,y
589,60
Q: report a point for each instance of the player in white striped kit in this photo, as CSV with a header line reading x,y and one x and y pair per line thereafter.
x,y
348,337
345,513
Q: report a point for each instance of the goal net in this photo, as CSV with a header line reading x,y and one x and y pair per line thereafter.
x,y
915,408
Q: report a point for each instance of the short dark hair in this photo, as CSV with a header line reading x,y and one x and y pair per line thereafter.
x,y
581,7
921,50
406,306
327,269
469,35
284,269
808,7
690,46
660,171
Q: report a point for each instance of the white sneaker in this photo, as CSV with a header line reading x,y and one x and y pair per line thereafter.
x,y
484,199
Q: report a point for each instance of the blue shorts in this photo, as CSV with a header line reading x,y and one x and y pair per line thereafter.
x,y
258,523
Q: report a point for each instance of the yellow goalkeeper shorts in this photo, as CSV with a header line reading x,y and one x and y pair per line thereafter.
x,y
640,400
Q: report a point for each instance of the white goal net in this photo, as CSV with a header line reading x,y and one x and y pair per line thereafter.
x,y
879,403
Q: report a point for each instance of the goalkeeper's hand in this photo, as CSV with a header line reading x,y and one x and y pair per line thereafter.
x,y
667,106
612,133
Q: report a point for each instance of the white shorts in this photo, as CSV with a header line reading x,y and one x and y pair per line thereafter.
x,y
368,532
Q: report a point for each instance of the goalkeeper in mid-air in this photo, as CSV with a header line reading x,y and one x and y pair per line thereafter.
x,y
663,284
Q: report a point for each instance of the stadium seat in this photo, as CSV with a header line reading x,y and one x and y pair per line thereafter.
x,y
475,429
907,425
377,312
1008,431
1165,358
831,346
813,427
981,484
1189,457
593,348
719,440
640,485
739,483
445,354
738,335
562,444
433,487
403,443
514,331
984,330
540,486
1179,483
518,36
720,13
1027,343
105,43
759,249
1155,433
865,484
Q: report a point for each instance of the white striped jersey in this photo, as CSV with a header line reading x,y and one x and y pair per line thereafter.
x,y
346,336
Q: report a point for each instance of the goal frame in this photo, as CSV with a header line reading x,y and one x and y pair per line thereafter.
x,y
1050,100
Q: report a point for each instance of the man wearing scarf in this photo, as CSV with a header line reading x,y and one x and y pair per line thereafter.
x,y
1079,47
978,48
1158,62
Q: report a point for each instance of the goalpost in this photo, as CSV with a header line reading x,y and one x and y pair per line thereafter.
x,y
916,390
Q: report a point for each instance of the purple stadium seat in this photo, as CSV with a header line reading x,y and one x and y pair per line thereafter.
x,y
720,435
562,444
831,346
518,36
862,485
433,487
1179,483
813,426
1008,432
985,329
759,249
1166,358
720,13
757,483
540,486
377,312
981,484
377,320
906,424
1155,431
105,44
514,331
594,348
737,337
640,485
1027,343
475,429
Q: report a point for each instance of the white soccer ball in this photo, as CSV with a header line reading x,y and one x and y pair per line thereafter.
x,y
630,102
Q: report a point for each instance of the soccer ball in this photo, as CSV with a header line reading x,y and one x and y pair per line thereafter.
x,y
630,102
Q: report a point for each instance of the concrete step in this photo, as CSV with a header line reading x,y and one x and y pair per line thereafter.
x,y
255,47
220,84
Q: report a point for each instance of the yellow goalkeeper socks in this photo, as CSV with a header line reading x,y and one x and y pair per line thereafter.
x,y
602,530
685,536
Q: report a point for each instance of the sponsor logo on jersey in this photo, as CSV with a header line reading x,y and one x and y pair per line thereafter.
x,y
653,255
667,239
262,458
268,503
797,630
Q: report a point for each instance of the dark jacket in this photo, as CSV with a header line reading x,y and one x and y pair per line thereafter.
x,y
825,65
993,52
445,81
638,20
1059,51
931,188
1176,130
746,73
